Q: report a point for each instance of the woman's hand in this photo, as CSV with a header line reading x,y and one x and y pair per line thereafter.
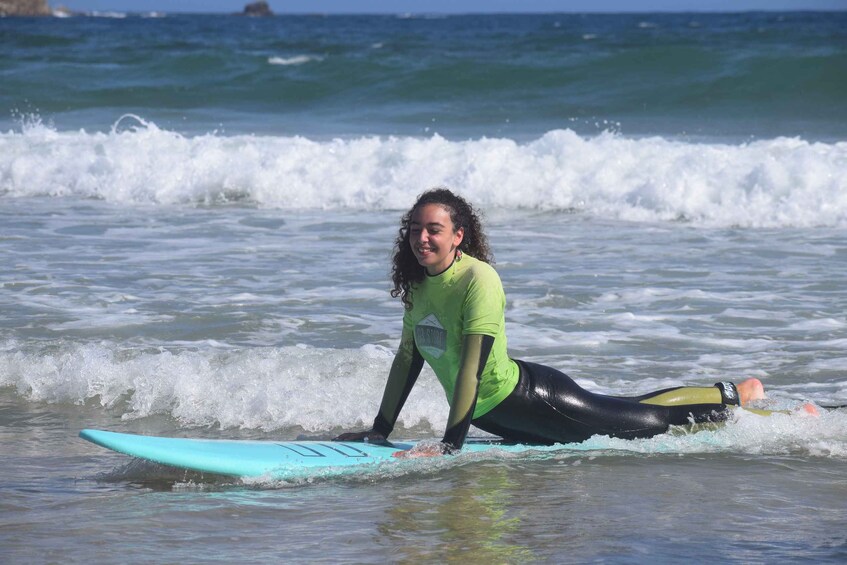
x,y
369,436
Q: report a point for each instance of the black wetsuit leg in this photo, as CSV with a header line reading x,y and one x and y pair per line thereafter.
x,y
548,407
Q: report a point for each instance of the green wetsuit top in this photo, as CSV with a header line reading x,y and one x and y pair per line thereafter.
x,y
457,325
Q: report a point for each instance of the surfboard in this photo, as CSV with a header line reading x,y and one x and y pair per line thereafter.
x,y
273,459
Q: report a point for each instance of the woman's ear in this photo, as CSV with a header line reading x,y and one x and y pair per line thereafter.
x,y
458,237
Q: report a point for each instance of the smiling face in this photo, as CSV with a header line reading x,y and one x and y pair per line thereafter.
x,y
433,237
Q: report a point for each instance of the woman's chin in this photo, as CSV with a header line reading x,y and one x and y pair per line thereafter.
x,y
425,260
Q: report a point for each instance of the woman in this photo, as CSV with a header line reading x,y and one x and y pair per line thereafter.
x,y
455,321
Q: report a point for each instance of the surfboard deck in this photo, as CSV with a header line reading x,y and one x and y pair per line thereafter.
x,y
254,458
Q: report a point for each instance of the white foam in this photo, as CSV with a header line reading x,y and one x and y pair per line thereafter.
x,y
776,183
835,364
818,325
295,60
776,434
258,388
110,15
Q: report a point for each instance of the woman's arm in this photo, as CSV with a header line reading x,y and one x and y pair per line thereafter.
x,y
405,370
475,351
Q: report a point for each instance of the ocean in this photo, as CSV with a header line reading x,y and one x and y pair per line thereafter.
x,y
197,215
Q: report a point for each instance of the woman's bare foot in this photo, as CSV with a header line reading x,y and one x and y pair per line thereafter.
x,y
750,390
810,408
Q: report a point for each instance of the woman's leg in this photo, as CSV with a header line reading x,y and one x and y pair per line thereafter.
x,y
547,406
741,394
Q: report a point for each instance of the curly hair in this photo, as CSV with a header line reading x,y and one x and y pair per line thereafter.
x,y
406,270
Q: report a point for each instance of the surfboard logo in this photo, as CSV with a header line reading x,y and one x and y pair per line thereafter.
x,y
431,337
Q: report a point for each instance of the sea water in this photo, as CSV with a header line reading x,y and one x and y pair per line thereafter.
x,y
196,222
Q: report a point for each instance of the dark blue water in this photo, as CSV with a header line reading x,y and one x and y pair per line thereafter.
x,y
736,76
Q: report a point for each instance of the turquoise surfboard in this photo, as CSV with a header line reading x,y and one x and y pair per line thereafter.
x,y
274,459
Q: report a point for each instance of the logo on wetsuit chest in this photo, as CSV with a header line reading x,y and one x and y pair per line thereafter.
x,y
431,337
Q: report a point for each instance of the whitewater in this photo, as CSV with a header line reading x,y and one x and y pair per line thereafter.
x,y
771,183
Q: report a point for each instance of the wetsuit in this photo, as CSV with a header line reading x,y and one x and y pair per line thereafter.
x,y
548,407
457,325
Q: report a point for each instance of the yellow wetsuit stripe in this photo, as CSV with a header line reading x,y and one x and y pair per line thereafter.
x,y
685,395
